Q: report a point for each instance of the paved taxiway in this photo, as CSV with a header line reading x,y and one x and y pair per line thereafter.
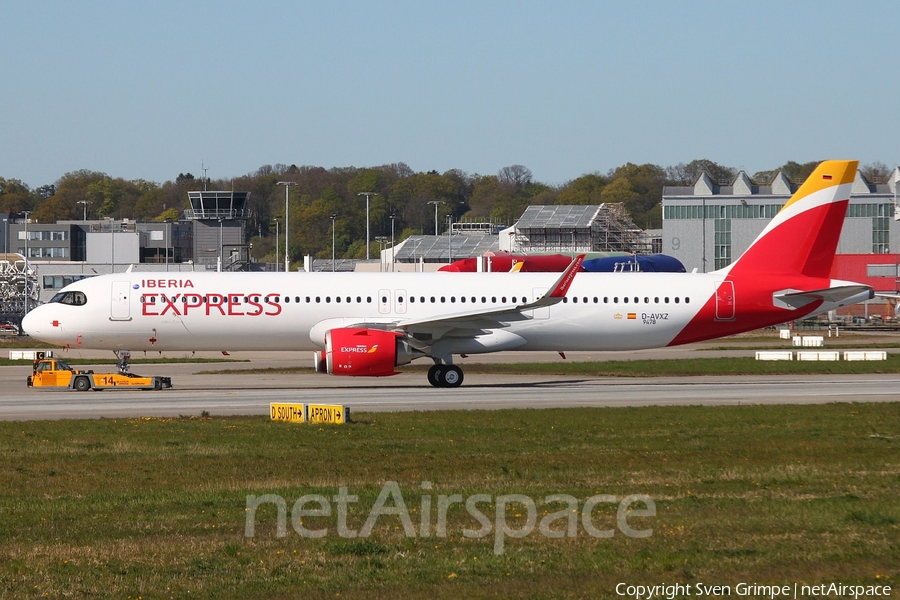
x,y
235,393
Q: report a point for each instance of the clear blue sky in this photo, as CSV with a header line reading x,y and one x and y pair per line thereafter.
x,y
149,90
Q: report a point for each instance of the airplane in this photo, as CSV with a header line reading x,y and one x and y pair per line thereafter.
x,y
368,324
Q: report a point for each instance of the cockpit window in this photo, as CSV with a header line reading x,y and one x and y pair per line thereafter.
x,y
72,298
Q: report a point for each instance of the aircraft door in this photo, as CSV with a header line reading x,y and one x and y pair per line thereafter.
x,y
725,301
120,304
400,301
384,302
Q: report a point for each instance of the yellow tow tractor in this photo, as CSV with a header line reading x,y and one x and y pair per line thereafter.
x,y
50,372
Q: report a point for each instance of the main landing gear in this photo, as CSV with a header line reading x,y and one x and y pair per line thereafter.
x,y
445,376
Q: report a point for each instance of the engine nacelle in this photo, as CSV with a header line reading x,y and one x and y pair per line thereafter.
x,y
361,352
319,362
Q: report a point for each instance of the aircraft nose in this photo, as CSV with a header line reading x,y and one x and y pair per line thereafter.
x,y
30,323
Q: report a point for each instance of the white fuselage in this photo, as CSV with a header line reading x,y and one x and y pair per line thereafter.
x,y
292,311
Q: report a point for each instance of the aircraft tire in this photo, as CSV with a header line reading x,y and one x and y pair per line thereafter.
x,y
451,376
436,375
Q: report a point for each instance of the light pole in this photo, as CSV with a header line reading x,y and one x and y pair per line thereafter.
x,y
219,266
25,270
333,217
168,236
393,217
84,203
276,245
367,194
435,202
287,225
382,240
449,239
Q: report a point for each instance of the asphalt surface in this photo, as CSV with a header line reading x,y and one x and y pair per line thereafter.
x,y
236,393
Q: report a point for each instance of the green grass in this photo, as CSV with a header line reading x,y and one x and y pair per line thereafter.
x,y
680,367
156,507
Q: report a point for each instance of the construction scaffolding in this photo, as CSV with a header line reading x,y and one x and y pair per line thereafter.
x,y
19,289
603,228
614,231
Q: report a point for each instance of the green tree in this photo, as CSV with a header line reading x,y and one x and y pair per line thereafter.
x,y
646,182
583,191
15,196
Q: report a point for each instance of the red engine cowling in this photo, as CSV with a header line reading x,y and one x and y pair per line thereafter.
x,y
361,352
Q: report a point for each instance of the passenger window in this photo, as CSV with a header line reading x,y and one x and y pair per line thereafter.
x,y
676,300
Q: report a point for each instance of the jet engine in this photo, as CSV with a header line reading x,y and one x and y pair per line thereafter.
x,y
361,352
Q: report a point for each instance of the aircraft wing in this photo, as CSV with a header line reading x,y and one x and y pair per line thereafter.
x,y
496,317
834,295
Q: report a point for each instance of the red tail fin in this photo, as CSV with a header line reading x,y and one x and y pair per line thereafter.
x,y
803,236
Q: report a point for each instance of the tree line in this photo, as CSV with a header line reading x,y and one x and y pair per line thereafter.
x,y
322,196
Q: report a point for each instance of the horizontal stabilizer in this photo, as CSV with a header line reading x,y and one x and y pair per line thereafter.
x,y
834,295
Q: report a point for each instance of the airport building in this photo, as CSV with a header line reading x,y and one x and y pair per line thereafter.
x,y
708,225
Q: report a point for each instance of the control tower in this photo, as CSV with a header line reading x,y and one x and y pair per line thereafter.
x,y
220,229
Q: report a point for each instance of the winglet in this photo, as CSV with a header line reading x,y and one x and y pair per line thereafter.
x,y
560,288
565,280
